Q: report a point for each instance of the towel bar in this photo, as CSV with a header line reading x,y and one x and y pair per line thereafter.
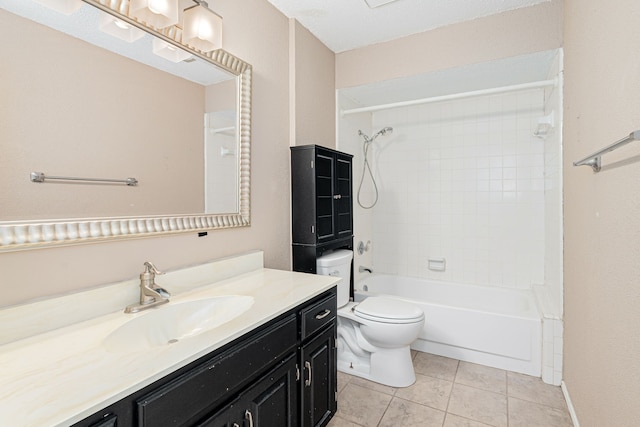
x,y
595,159
41,177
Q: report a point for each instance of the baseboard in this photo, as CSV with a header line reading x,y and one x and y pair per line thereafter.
x,y
572,411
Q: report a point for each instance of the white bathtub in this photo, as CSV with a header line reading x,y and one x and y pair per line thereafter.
x,y
491,326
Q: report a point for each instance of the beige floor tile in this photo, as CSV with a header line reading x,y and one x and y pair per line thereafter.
x,y
533,389
479,405
336,421
343,380
362,405
409,414
435,366
456,421
429,391
529,414
484,377
373,385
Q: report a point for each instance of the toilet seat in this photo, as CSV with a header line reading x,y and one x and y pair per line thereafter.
x,y
388,310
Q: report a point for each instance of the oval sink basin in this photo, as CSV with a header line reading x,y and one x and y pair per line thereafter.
x,y
170,323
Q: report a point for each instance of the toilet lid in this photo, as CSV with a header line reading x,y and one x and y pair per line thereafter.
x,y
388,310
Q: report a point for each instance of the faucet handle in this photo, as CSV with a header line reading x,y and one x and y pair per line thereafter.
x,y
150,268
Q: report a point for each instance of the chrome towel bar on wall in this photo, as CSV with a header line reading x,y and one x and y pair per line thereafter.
x,y
595,159
41,177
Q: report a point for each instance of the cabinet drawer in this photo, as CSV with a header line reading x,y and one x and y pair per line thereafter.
x,y
191,395
317,315
108,421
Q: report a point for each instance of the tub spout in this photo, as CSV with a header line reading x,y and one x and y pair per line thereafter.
x,y
362,269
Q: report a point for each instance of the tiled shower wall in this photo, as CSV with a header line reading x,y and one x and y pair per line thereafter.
x,y
461,181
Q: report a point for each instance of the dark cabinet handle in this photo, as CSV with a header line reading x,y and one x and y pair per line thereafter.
x,y
324,314
248,415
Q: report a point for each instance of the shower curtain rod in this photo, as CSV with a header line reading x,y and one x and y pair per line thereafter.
x,y
512,88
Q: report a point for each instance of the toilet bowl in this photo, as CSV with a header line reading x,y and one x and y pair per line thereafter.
x,y
374,336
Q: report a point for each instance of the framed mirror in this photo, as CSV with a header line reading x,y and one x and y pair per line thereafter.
x,y
104,139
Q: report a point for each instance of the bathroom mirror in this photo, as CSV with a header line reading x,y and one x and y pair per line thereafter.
x,y
72,109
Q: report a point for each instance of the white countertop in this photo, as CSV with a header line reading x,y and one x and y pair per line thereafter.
x,y
59,377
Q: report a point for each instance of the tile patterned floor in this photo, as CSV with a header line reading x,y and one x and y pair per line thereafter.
x,y
451,393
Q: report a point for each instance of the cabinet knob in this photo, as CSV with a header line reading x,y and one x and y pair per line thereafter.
x,y
337,196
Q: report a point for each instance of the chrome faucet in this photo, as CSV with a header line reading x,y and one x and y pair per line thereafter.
x,y
151,294
362,269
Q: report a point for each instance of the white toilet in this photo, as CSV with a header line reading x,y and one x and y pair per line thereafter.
x,y
374,335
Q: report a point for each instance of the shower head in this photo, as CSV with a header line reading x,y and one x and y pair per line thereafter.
x,y
382,131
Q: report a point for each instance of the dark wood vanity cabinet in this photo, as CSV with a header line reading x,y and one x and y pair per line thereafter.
x,y
318,361
321,203
272,401
283,374
319,400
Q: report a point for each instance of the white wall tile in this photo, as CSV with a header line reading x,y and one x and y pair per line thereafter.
x,y
466,181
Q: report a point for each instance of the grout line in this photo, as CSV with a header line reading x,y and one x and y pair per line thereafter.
x,y
506,389
453,383
385,410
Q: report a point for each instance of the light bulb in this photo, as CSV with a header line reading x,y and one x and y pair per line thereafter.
x,y
157,13
121,24
169,51
202,28
118,28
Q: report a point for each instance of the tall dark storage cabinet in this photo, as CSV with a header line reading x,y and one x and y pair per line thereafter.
x,y
321,203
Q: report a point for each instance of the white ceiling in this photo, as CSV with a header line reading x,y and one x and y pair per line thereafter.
x,y
348,24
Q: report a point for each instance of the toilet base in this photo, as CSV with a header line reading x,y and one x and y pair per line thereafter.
x,y
391,367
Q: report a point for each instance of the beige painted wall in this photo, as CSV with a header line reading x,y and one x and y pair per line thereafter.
x,y
313,90
512,33
257,33
602,212
221,96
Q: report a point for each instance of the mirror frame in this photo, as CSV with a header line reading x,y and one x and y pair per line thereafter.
x,y
22,235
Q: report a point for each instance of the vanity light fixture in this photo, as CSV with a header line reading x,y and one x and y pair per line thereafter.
x,y
169,51
63,6
157,13
202,27
118,28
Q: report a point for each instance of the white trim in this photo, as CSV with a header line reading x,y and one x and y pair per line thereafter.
x,y
572,411
491,91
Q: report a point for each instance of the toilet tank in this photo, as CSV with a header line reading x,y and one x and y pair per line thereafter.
x,y
337,263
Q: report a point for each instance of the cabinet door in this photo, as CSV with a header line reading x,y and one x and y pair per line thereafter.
x,y
273,401
222,418
325,196
334,203
319,378
343,196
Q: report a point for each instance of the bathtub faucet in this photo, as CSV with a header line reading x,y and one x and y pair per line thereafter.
x,y
362,269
